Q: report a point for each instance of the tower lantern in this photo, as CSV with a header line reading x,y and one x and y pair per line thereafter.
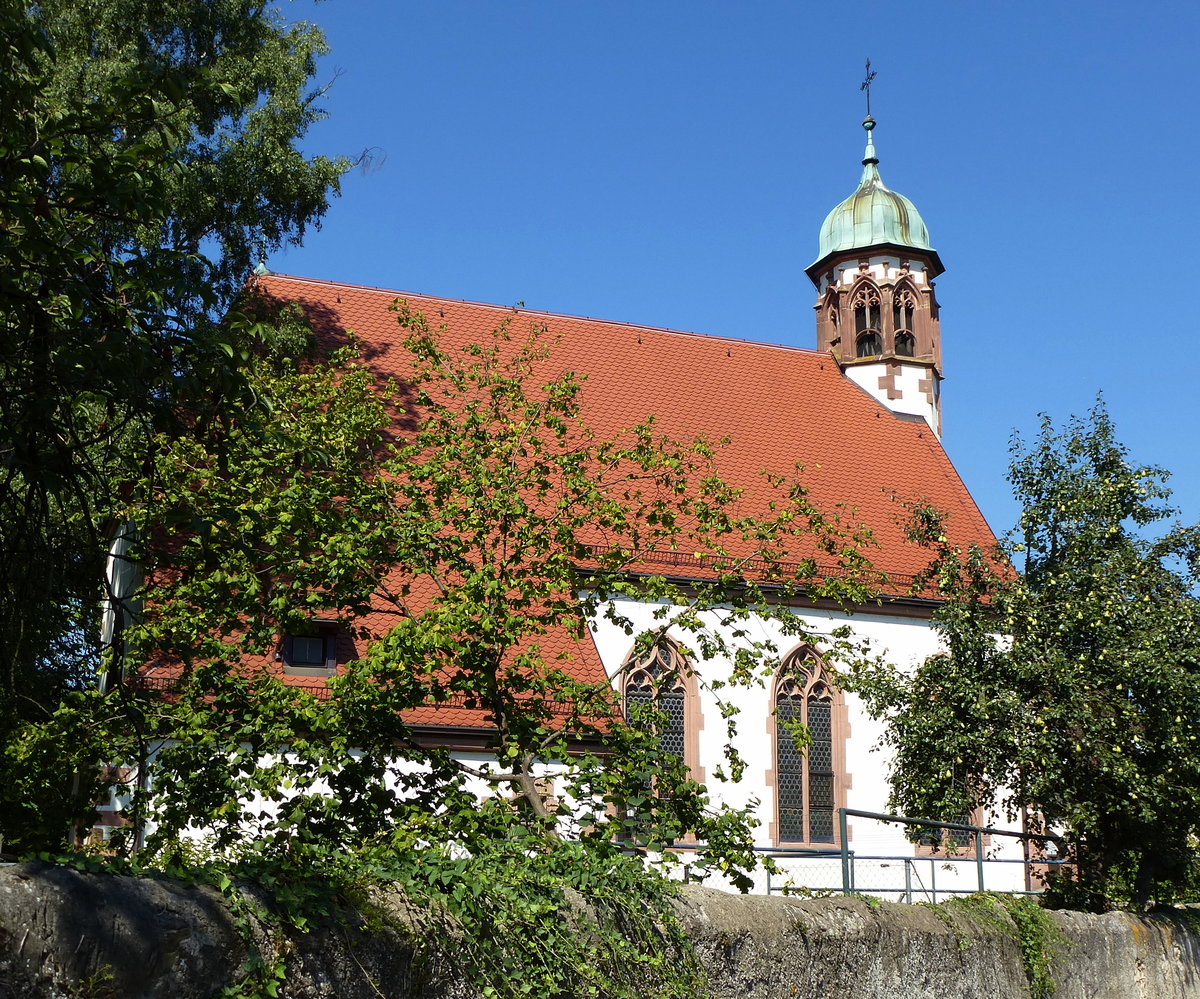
x,y
876,309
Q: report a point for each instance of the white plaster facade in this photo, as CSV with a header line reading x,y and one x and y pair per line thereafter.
x,y
905,640
907,395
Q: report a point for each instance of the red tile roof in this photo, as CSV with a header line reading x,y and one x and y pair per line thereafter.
x,y
776,405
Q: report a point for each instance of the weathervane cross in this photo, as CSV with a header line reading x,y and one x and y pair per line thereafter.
x,y
866,85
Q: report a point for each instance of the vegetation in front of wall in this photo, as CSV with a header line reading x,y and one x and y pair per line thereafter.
x,y
324,792
944,916
514,918
1085,719
268,496
1027,922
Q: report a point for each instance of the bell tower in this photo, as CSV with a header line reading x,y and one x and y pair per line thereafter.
x,y
876,309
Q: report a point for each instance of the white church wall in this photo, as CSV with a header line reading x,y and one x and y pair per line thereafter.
x,y
906,378
904,641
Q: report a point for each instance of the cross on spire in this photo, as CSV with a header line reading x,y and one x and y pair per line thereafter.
x,y
866,85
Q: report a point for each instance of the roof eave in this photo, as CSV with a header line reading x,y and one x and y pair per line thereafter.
x,y
814,270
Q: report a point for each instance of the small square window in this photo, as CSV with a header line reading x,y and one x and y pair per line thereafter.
x,y
311,655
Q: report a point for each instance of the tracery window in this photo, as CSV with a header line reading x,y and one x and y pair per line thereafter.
x,y
868,322
904,306
657,679
805,777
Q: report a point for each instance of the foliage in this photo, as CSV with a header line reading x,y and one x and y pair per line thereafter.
x,y
1069,691
1030,924
471,543
464,527
147,158
466,557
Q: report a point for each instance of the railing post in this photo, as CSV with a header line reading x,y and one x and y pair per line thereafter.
x,y
908,881
843,827
979,856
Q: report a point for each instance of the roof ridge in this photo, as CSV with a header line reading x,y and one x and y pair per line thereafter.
x,y
722,338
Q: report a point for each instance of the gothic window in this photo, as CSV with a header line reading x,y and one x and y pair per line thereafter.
x,y
805,777
657,678
868,321
904,307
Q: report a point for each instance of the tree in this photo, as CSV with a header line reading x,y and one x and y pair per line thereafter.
x,y
497,523
147,159
1070,690
473,506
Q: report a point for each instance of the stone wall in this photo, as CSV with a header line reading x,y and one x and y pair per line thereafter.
x,y
68,934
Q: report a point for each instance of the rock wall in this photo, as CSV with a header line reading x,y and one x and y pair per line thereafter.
x,y
68,934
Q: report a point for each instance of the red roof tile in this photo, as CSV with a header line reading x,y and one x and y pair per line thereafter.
x,y
776,405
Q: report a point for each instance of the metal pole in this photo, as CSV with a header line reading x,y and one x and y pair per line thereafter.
x,y
979,856
908,881
843,828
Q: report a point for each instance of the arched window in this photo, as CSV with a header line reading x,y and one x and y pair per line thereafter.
x,y
805,776
868,344
658,678
904,309
867,315
868,323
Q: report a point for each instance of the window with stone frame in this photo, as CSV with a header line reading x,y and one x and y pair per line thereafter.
x,y
805,776
313,653
868,321
932,842
657,679
904,307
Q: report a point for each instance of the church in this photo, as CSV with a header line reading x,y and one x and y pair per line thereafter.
x,y
861,414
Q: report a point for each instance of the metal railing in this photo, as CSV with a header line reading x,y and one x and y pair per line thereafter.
x,y
964,863
973,854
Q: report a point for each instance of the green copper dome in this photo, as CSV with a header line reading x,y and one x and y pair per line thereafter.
x,y
873,215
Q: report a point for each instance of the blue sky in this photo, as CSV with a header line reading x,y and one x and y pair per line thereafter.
x,y
670,163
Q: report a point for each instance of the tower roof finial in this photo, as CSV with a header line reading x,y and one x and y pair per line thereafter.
x,y
869,157
866,86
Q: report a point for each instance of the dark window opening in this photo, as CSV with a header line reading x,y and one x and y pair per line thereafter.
x,y
869,344
866,317
657,682
906,346
311,655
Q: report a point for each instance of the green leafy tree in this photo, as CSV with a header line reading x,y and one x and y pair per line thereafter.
x,y
498,523
147,159
1070,689
472,510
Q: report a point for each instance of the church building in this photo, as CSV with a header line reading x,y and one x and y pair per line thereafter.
x,y
862,413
